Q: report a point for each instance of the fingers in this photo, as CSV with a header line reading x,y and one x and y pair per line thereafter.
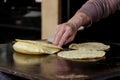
x,y
58,37
69,40
58,34
64,37
64,34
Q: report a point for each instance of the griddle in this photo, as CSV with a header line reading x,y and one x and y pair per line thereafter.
x,y
52,67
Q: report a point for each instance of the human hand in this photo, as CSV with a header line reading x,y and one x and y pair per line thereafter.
x,y
64,34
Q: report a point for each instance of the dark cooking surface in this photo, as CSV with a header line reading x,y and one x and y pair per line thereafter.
x,y
53,67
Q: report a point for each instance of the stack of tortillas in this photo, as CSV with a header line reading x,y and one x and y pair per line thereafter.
x,y
35,47
87,50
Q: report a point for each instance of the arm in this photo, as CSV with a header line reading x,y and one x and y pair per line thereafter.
x,y
98,9
91,11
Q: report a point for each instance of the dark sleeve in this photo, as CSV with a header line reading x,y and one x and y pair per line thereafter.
x,y
98,9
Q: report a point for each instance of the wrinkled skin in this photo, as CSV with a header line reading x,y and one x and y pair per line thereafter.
x,y
64,34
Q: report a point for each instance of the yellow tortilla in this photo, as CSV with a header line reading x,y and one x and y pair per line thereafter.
x,y
87,50
90,45
42,43
35,47
81,54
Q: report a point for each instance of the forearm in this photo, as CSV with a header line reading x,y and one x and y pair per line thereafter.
x,y
98,9
79,19
92,11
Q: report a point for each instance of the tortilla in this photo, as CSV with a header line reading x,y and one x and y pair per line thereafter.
x,y
85,51
42,43
90,45
81,54
35,47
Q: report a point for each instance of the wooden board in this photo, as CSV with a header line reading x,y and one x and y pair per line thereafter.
x,y
50,17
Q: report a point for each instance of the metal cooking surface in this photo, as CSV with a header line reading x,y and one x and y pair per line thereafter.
x,y
53,67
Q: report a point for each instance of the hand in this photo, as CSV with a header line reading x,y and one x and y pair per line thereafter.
x,y
64,34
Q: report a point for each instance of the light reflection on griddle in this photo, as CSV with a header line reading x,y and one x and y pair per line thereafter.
x,y
50,66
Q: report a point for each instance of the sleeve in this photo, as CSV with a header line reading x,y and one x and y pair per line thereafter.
x,y
98,9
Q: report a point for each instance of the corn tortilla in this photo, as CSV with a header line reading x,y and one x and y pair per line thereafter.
x,y
35,47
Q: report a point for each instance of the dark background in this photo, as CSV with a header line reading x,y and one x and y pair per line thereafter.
x,y
13,25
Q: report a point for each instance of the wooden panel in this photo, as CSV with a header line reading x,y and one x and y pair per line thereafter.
x,y
50,17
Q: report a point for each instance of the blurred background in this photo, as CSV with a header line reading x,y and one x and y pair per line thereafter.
x,y
19,19
22,19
